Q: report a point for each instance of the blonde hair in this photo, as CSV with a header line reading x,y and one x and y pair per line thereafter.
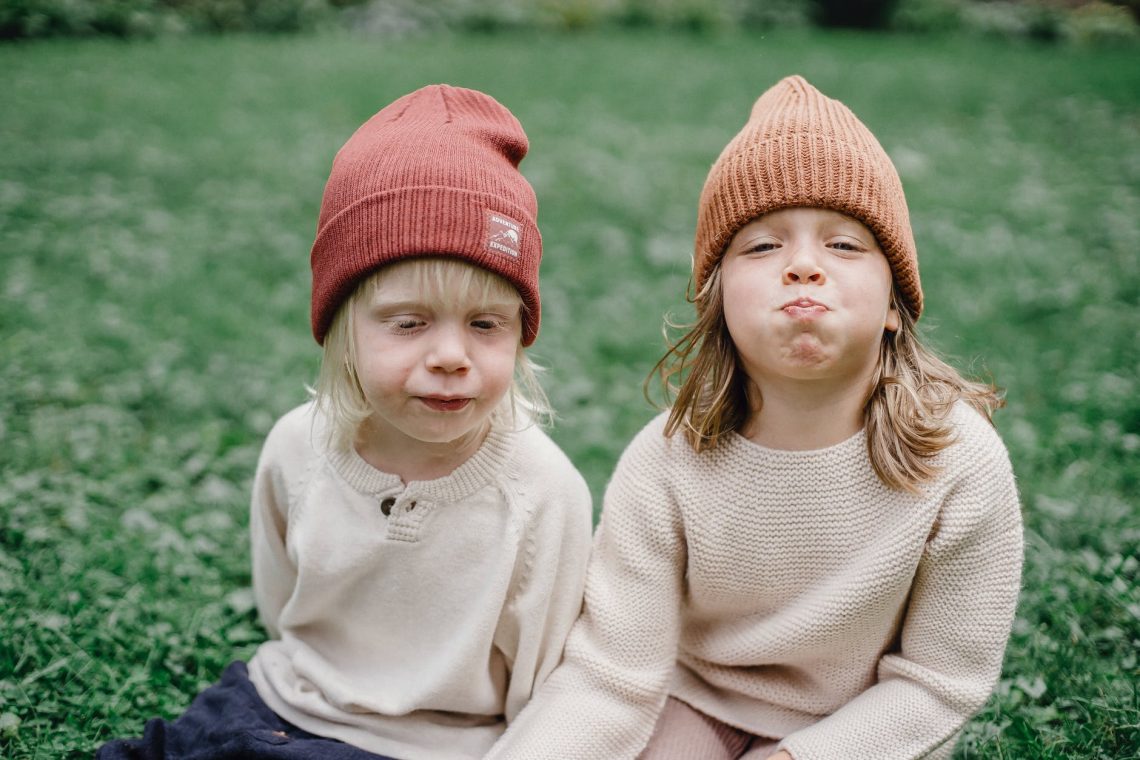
x,y
338,393
906,415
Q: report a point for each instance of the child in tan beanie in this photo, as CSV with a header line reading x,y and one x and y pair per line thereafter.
x,y
815,553
419,545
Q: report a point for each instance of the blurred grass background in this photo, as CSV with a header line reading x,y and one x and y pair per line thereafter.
x,y
157,203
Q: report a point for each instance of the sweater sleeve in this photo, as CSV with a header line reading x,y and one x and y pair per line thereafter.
x,y
274,575
603,701
547,595
954,631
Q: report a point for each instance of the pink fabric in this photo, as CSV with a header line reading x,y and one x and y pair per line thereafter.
x,y
683,733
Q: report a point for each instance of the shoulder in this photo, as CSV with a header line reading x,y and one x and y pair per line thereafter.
x,y
544,470
976,441
654,466
287,458
536,453
979,509
652,444
296,437
977,477
643,500
654,455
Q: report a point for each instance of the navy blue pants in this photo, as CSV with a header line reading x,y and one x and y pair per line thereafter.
x,y
228,721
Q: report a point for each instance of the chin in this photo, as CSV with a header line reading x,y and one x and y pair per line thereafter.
x,y
457,435
805,347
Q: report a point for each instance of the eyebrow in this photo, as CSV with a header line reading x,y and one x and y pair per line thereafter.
x,y
739,243
847,226
863,235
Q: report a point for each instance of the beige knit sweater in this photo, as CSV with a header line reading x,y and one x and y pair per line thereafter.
x,y
418,634
790,594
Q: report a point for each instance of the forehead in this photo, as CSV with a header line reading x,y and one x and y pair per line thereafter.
x,y
812,218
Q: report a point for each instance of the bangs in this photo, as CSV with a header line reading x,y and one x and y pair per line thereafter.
x,y
446,280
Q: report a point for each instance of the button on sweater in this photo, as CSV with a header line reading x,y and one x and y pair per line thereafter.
x,y
790,594
413,620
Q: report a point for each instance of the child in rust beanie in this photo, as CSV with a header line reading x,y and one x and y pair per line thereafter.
x,y
419,545
815,553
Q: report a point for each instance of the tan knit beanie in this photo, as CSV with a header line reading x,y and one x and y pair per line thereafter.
x,y
801,148
435,173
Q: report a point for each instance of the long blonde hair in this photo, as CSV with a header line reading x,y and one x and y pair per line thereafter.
x,y
338,393
906,415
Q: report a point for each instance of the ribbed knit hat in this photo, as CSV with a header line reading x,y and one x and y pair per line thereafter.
x,y
801,148
434,173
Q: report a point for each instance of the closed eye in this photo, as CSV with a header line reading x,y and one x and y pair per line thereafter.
x,y
490,324
407,324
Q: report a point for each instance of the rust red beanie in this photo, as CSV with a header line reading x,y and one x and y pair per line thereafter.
x,y
801,148
434,173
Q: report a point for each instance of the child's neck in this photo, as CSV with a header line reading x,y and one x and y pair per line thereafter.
x,y
415,460
802,416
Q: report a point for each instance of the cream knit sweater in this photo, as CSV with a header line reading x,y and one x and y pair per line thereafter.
x,y
418,634
790,594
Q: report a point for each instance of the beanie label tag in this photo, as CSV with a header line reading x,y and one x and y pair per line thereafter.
x,y
504,234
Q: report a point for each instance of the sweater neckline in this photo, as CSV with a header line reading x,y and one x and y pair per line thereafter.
x,y
743,444
480,469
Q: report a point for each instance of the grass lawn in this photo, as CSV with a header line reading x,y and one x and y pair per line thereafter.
x,y
158,200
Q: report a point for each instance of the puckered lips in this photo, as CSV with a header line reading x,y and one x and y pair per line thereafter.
x,y
804,308
445,403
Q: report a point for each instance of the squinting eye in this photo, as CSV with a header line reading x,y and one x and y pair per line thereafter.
x,y
842,246
762,248
408,324
485,324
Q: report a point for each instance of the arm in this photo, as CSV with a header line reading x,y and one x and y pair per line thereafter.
x,y
603,701
953,634
274,575
547,596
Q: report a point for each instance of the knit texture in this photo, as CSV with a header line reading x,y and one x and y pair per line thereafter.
x,y
413,621
434,173
789,594
801,148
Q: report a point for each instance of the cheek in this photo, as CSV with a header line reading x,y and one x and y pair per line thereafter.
x,y
733,303
371,380
499,367
736,328
378,370
872,291
746,314
505,368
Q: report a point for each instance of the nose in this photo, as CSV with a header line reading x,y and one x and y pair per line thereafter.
x,y
803,268
448,352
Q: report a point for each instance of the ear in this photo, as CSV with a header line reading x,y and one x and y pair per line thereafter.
x,y
891,323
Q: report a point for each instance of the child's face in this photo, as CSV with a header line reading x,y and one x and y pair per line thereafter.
x,y
806,297
433,365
